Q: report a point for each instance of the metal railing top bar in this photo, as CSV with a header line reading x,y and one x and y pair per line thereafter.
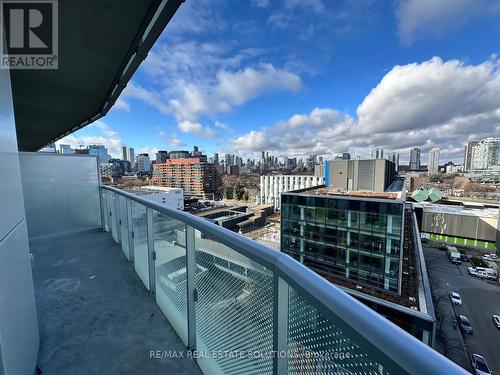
x,y
409,353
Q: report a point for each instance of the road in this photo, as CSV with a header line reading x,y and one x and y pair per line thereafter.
x,y
481,299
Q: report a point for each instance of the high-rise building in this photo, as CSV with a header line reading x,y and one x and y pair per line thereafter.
x,y
377,153
394,157
128,154
468,155
346,156
486,153
433,162
216,158
100,151
195,176
415,159
143,163
162,156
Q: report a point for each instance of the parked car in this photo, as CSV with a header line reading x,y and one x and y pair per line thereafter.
x,y
482,274
464,324
490,256
472,271
442,247
464,258
455,298
496,320
479,365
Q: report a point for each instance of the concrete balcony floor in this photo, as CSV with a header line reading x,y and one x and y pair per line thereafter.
x,y
94,313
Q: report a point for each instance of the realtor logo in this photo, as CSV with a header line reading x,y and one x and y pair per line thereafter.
x,y
29,33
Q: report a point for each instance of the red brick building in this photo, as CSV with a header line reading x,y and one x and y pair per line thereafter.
x,y
196,177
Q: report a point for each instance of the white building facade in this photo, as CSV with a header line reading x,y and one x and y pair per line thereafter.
x,y
486,153
169,197
272,186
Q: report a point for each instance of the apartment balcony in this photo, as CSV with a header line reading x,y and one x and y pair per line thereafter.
x,y
116,284
118,277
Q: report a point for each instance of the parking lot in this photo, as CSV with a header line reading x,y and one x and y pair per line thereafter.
x,y
481,300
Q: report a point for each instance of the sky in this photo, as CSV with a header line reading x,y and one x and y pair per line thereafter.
x,y
302,77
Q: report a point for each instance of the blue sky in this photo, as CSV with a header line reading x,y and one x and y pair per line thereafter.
x,y
297,77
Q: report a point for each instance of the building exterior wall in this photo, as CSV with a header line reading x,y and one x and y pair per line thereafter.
x,y
19,336
191,174
355,239
361,175
272,186
463,226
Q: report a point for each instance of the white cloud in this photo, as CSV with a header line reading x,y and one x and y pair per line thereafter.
x,y
431,104
195,128
223,126
430,93
232,89
107,137
176,142
435,17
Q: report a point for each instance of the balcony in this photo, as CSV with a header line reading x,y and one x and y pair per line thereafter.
x,y
117,276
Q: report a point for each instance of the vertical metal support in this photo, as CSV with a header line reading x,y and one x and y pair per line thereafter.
x,y
151,250
103,208
130,228
117,219
191,286
280,325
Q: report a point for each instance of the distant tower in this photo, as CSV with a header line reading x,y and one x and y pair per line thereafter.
x,y
433,163
415,159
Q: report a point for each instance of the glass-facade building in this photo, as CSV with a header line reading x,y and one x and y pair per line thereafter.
x,y
353,238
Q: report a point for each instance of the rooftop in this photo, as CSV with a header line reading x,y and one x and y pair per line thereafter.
x,y
460,210
326,191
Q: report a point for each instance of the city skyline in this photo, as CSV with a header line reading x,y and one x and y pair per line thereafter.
x,y
337,86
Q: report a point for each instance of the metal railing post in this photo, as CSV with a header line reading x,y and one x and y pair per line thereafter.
x,y
130,227
191,286
280,325
151,250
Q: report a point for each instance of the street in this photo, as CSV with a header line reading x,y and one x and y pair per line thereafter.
x,y
481,299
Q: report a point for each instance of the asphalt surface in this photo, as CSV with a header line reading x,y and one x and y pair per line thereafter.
x,y
481,299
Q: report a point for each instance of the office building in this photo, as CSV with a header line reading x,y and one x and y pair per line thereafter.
x,y
143,164
433,161
179,154
365,243
128,154
468,155
290,163
111,169
363,175
415,159
346,156
162,156
100,151
216,158
194,176
377,153
271,186
486,153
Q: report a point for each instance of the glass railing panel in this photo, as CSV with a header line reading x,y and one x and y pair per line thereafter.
x,y
124,227
140,238
104,209
113,215
234,311
170,271
321,343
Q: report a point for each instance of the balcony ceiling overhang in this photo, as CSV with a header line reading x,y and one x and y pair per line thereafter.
x,y
101,44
